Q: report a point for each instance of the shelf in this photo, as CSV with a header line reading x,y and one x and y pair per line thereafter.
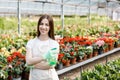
x,y
66,69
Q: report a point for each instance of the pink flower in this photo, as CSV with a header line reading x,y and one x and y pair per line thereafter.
x,y
100,43
10,66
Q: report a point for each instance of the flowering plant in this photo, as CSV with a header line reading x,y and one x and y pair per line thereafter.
x,y
98,44
89,50
3,64
81,52
16,63
60,57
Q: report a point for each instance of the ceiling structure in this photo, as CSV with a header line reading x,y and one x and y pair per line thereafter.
x,y
70,7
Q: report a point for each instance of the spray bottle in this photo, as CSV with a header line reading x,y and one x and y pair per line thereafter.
x,y
50,56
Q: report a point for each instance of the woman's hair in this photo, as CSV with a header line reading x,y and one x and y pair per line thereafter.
x,y
51,25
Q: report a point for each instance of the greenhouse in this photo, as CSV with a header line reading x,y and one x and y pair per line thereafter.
x,y
59,39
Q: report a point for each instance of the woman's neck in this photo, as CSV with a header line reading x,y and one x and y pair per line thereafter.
x,y
43,37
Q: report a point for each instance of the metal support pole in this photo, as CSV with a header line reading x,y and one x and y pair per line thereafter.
x,y
106,59
81,70
89,13
62,18
75,11
107,12
43,7
19,18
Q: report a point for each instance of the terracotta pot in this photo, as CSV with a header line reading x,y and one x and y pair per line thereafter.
x,y
106,50
90,55
85,57
64,61
95,53
110,47
118,45
73,61
67,63
10,77
79,59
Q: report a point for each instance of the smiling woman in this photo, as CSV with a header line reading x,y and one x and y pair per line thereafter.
x,y
38,47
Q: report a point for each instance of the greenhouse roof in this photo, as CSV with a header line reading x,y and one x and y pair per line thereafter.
x,y
71,7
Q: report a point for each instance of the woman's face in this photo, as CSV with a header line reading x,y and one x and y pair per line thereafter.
x,y
44,27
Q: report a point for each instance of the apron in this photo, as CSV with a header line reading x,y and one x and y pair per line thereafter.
x,y
37,74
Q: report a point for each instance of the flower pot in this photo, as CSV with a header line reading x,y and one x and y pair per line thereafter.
x,y
95,53
90,55
25,75
118,45
64,61
17,78
73,61
106,50
115,44
110,47
59,66
9,77
100,50
85,57
79,59
67,63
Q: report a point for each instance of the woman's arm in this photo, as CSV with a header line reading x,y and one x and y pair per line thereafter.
x,y
43,65
30,60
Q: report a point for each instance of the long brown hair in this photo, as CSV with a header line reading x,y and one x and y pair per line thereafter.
x,y
51,25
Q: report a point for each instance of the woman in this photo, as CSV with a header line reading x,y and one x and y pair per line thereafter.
x,y
37,47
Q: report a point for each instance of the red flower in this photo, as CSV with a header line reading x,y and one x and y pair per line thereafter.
x,y
13,56
64,61
72,53
60,56
88,42
9,59
17,61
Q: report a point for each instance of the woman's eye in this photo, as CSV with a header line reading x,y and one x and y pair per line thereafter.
x,y
47,24
41,23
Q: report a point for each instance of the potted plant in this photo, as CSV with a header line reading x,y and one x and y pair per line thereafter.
x,y
66,51
66,59
16,62
59,63
83,49
89,51
98,46
26,71
73,55
80,54
3,68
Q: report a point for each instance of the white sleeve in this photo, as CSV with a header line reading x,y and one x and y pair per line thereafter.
x,y
56,45
29,44
58,49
